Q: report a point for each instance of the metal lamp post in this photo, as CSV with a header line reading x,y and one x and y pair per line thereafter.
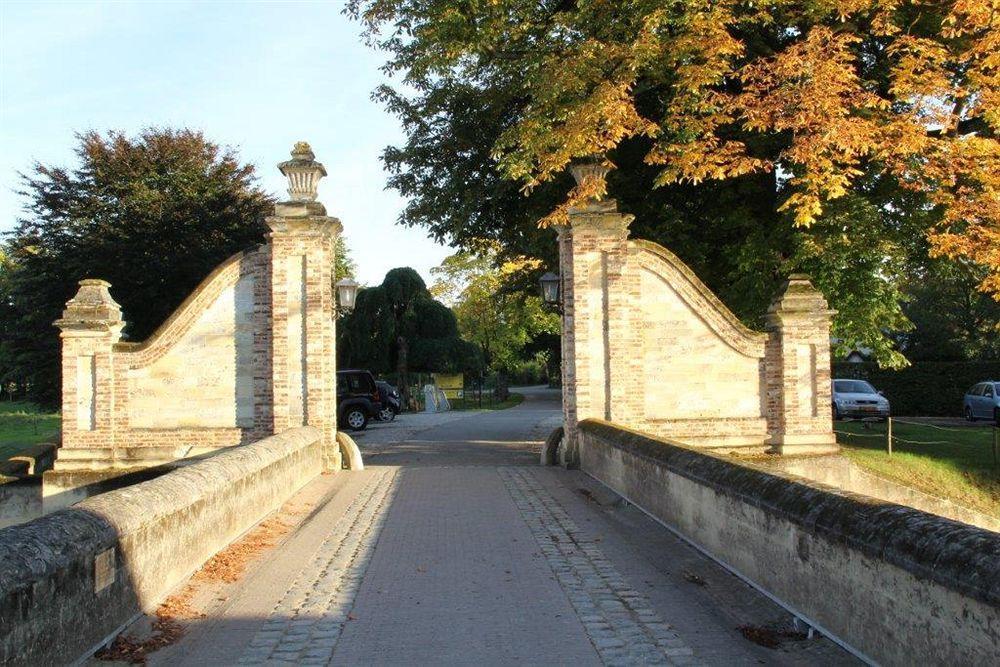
x,y
550,284
347,294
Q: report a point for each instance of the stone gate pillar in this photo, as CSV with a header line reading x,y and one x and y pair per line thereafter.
x,y
91,324
303,242
797,359
599,345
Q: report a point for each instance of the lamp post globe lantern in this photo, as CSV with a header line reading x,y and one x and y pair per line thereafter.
x,y
347,293
550,288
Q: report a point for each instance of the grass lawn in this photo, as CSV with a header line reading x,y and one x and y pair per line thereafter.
x,y
22,424
954,463
512,400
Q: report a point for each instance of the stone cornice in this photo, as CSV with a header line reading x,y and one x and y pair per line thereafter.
x,y
608,221
322,226
798,300
92,311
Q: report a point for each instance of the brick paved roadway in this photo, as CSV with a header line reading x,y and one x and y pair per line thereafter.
x,y
454,547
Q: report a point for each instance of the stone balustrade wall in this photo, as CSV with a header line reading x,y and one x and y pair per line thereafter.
x,y
888,581
72,579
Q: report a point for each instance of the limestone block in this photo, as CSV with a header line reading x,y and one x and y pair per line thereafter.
x,y
206,378
349,452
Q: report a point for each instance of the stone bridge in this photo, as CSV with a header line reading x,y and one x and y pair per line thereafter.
x,y
202,510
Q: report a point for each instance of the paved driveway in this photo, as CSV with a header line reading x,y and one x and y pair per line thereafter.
x,y
454,547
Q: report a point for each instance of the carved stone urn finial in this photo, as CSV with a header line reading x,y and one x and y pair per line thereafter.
x,y
302,151
593,172
589,170
303,173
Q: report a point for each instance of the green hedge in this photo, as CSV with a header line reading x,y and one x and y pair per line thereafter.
x,y
928,388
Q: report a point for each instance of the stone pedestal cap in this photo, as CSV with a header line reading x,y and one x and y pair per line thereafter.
x,y
91,308
798,296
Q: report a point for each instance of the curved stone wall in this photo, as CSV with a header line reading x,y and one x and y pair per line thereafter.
x,y
702,366
251,352
200,382
198,370
646,344
699,300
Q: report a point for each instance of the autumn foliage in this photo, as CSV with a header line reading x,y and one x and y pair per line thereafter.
x,y
819,92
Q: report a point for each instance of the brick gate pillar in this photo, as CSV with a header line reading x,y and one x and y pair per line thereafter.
x,y
91,325
304,359
797,358
598,291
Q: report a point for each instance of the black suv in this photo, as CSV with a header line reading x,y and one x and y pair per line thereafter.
x,y
392,402
357,399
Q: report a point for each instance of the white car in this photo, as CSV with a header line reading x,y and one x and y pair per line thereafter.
x,y
982,402
858,399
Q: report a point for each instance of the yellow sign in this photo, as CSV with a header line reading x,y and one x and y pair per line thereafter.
x,y
452,384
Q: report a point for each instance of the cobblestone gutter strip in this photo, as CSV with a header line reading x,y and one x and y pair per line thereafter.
x,y
305,625
621,624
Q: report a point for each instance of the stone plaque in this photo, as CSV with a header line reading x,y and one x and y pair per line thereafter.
x,y
104,569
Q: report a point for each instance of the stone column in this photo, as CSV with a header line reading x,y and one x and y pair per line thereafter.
x,y
596,292
798,370
91,325
304,357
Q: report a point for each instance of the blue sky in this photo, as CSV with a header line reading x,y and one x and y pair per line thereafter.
x,y
257,76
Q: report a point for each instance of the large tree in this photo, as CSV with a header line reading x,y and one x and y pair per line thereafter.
x,y
953,321
782,135
398,327
491,312
153,214
10,381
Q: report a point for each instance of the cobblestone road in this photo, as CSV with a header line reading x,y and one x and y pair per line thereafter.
x,y
454,547
306,623
619,621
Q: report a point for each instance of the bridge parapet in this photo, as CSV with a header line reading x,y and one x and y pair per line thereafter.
x,y
73,578
888,581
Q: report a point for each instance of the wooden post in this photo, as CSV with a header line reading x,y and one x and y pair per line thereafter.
x,y
996,443
888,433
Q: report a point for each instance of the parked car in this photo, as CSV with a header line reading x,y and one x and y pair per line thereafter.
x,y
982,401
358,399
858,399
392,402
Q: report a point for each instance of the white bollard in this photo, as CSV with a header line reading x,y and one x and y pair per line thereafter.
x,y
430,398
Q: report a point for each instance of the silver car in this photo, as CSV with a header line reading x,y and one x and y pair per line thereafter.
x,y
982,402
859,400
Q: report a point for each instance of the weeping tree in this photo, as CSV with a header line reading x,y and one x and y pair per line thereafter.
x,y
399,327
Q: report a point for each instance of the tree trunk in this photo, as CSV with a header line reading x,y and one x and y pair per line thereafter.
x,y
402,362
